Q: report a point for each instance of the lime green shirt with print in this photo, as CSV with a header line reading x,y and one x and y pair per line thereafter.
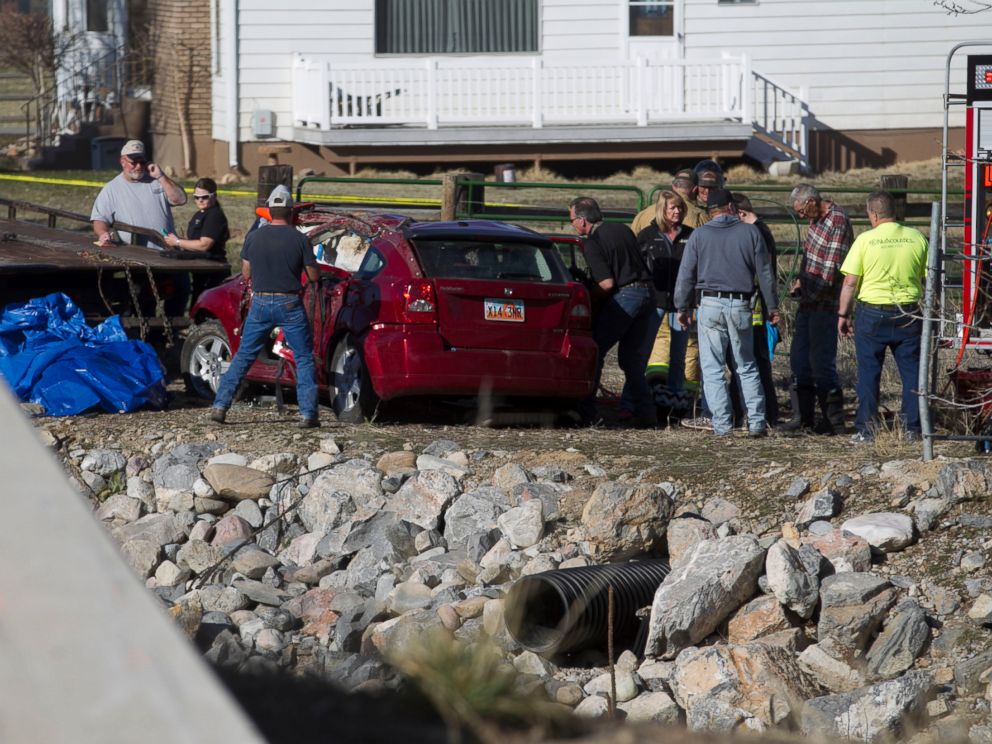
x,y
891,260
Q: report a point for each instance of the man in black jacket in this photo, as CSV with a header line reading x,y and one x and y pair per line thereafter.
x,y
627,316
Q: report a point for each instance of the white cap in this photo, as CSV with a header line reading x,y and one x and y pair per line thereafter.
x,y
280,197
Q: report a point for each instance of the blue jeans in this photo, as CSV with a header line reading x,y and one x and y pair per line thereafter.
x,y
876,330
723,322
813,356
627,317
267,312
678,341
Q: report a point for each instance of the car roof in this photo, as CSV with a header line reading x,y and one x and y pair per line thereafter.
x,y
472,229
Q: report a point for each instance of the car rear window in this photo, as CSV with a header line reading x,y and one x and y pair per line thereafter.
x,y
474,259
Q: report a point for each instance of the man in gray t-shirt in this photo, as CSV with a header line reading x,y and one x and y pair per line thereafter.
x,y
142,195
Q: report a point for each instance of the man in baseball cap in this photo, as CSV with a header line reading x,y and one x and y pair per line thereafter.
x,y
141,195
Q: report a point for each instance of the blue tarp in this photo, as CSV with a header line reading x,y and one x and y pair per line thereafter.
x,y
49,356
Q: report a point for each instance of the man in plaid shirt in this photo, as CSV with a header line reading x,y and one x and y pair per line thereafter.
x,y
813,357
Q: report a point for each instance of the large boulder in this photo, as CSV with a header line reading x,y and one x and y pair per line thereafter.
x,y
853,606
763,681
423,499
903,638
236,482
790,581
884,531
870,713
703,589
624,520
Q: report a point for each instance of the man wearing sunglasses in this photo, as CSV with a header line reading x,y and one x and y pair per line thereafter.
x,y
141,195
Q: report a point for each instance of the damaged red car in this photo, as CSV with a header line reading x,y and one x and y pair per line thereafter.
x,y
406,308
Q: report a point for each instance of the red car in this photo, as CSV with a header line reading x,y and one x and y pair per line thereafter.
x,y
407,308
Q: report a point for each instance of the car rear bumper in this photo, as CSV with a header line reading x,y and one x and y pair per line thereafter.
x,y
407,361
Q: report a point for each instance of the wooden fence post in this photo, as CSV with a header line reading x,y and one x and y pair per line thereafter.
x,y
457,196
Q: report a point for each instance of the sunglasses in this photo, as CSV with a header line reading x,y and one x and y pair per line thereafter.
x,y
137,161
201,197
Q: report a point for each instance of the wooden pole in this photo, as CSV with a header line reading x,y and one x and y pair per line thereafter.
x,y
897,185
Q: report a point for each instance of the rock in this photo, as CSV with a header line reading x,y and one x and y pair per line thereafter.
x,y
392,463
981,610
278,464
202,530
903,638
758,618
622,520
474,512
408,596
228,458
970,675
797,488
104,462
852,607
141,555
169,574
179,469
396,638
230,529
530,663
655,707
160,529
302,549
269,641
844,550
973,561
198,556
430,462
828,665
142,490
593,707
523,525
120,506
449,618
329,446
718,511
790,582
225,599
350,490
703,589
885,531
235,482
685,532
440,447
821,505
250,512
601,685
871,713
571,695
423,499
928,511
548,494
259,592
510,475
253,562
320,461
763,681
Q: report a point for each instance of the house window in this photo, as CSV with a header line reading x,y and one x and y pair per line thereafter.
x,y
96,16
455,26
652,17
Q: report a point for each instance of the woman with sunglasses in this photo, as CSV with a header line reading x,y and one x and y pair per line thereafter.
x,y
207,232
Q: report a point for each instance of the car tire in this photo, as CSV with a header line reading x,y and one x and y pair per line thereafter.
x,y
352,397
205,357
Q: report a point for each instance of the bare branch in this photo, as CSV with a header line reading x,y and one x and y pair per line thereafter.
x,y
966,7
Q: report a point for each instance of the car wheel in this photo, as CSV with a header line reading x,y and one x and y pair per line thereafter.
x,y
352,397
206,356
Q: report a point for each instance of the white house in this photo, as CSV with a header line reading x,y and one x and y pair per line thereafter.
x,y
336,84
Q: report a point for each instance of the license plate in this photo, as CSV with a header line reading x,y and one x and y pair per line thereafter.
x,y
509,311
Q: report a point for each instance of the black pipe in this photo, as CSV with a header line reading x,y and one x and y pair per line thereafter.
x,y
556,612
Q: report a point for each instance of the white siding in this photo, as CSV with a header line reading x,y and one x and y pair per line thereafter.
x,y
864,64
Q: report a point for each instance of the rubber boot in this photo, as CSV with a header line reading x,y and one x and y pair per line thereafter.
x,y
803,409
831,411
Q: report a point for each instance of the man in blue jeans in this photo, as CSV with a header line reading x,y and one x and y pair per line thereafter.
x,y
627,316
884,269
721,262
273,257
813,354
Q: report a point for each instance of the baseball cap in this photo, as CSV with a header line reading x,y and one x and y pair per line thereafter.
x,y
710,180
134,149
718,198
708,165
280,197
688,174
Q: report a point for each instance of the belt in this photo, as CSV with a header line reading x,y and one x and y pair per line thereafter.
x,y
276,294
644,285
725,295
905,307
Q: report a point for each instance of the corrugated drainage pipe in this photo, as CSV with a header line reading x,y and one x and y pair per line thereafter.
x,y
567,610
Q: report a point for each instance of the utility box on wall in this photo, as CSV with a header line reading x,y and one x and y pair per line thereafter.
x,y
262,123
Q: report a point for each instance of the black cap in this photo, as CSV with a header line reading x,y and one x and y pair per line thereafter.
x,y
718,198
688,174
710,180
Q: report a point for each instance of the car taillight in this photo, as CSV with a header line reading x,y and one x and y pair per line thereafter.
x,y
419,302
580,312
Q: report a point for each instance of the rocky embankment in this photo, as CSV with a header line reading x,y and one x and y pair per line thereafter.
x,y
858,606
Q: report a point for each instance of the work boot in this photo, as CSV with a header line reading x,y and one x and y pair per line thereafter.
x,y
218,415
831,410
803,409
309,423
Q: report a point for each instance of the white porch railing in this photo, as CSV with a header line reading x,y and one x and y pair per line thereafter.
x,y
781,115
442,92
